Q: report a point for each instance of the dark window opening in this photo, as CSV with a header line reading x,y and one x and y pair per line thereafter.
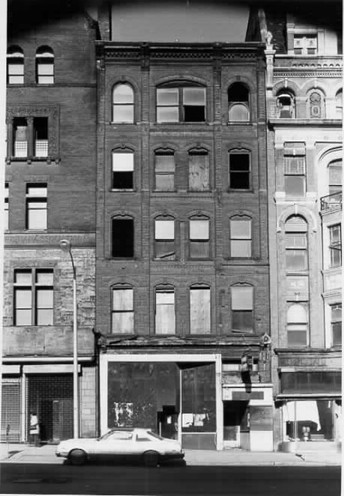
x,y
239,171
194,114
123,238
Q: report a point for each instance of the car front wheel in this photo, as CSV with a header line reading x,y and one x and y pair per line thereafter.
x,y
151,458
77,457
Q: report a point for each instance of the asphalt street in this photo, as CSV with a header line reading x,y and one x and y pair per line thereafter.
x,y
169,480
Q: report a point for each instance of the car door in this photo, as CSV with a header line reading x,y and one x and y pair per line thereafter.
x,y
116,444
144,442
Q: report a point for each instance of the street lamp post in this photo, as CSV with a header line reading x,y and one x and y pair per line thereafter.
x,y
66,246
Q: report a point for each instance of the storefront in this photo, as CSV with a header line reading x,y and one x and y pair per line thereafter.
x,y
176,396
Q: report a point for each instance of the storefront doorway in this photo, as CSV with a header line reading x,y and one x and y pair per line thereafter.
x,y
236,424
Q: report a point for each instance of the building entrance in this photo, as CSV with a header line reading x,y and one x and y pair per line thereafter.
x,y
236,424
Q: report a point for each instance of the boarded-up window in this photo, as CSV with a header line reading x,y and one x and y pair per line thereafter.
x,y
199,238
164,239
200,310
164,170
164,311
123,238
240,237
198,170
122,170
242,308
122,311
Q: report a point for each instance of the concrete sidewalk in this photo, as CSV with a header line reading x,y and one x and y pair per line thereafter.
x,y
23,453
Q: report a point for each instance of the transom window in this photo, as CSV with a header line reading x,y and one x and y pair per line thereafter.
x,y
45,65
33,297
182,103
122,321
242,308
164,170
36,206
123,103
240,237
15,65
165,319
122,169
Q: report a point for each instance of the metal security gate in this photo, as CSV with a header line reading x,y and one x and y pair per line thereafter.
x,y
10,410
51,397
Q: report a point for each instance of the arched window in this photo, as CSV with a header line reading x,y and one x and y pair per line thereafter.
x,y
122,169
165,316
240,230
164,235
181,101
200,309
45,65
339,104
15,65
122,309
123,103
335,170
238,103
296,245
123,237
199,237
315,104
297,325
242,308
198,170
285,104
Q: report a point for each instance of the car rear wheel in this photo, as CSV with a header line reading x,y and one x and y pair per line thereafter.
x,y
151,458
77,457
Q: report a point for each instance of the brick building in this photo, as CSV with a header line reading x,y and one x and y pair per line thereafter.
x,y
304,101
50,196
182,243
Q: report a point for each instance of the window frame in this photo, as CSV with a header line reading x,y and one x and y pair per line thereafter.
x,y
180,104
289,163
290,113
292,324
168,152
232,103
336,321
15,55
195,242
45,57
122,151
241,312
165,241
335,247
122,311
242,152
249,239
34,287
194,153
121,218
41,198
6,207
128,104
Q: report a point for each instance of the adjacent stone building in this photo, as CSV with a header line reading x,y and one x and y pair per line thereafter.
x,y
304,102
50,196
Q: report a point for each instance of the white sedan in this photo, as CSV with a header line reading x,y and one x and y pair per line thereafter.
x,y
137,443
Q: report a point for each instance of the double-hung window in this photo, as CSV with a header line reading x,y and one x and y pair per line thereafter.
x,y
182,103
242,308
165,318
15,66
297,325
122,310
123,170
123,104
36,206
45,65
33,297
199,238
164,170
336,324
240,237
165,239
335,170
239,170
335,234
